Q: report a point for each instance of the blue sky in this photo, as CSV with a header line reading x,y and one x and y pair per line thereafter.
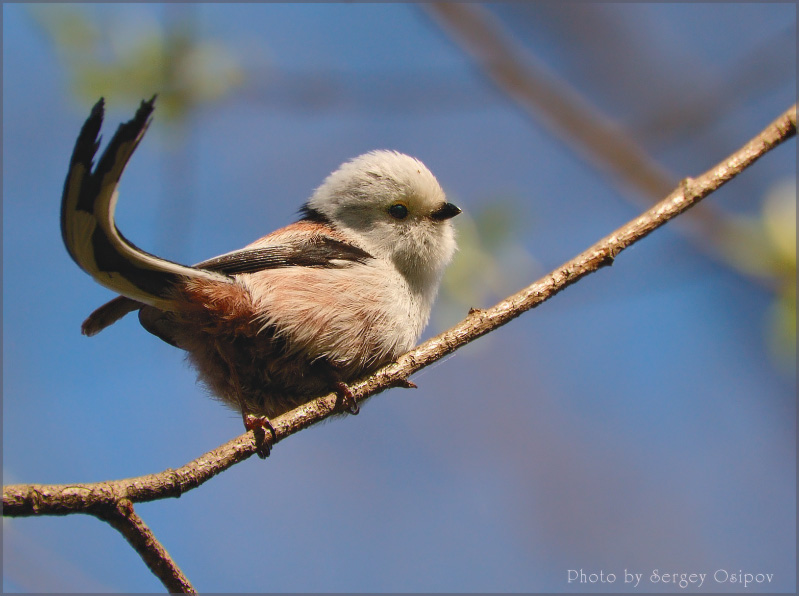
x,y
637,421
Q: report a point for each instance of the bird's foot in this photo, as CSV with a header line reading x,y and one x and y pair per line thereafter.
x,y
346,398
259,425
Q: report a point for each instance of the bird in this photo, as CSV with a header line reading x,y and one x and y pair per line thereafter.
x,y
345,289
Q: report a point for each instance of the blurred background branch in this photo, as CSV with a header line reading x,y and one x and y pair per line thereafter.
x,y
547,98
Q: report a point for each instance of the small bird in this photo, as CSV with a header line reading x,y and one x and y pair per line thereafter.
x,y
302,311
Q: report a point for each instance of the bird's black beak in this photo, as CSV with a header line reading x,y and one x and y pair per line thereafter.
x,y
446,211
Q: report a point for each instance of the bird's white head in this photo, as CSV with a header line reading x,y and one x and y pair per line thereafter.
x,y
395,208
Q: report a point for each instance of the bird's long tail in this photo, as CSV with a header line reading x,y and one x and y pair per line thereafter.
x,y
87,220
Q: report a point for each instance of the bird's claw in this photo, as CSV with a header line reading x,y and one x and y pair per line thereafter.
x,y
348,402
259,425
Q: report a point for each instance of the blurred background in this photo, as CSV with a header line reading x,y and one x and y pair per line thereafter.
x,y
643,420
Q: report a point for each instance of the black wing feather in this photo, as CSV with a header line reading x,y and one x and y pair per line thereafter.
x,y
319,252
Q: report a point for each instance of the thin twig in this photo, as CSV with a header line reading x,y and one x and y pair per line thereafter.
x,y
33,499
123,517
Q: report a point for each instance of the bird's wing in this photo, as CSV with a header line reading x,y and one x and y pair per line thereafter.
x,y
315,251
318,250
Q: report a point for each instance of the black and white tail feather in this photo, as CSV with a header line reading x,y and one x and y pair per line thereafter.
x,y
91,236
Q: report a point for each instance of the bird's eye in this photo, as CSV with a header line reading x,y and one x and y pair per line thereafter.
x,y
398,211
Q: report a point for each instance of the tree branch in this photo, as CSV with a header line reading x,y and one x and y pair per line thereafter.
x,y
122,517
63,499
33,499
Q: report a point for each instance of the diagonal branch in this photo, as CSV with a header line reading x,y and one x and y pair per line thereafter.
x,y
122,517
33,499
